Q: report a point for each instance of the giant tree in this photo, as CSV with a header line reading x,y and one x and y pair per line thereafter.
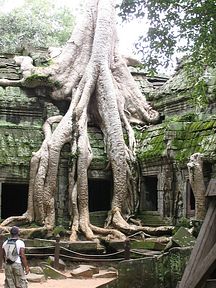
x,y
92,76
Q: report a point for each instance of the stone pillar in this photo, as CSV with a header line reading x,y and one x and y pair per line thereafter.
x,y
160,195
184,196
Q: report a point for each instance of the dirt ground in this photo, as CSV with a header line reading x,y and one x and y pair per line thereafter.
x,y
66,283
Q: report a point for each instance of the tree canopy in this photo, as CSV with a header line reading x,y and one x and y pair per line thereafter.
x,y
36,23
187,26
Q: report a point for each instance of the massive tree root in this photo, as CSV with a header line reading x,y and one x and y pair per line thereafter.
x,y
93,77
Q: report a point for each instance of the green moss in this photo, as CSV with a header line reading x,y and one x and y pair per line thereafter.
x,y
38,234
207,125
182,222
195,126
18,143
157,139
43,62
184,139
42,80
59,230
57,84
189,117
37,77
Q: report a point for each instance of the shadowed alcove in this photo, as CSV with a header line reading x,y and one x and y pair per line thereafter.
x,y
99,195
14,199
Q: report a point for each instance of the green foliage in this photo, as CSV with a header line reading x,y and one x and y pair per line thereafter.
x,y
31,225
59,230
183,222
188,117
187,26
42,234
199,95
37,79
38,23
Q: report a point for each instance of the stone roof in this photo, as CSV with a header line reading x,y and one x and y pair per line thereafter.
x,y
174,96
178,141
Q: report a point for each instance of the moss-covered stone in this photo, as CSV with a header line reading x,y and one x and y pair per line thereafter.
x,y
149,245
183,238
156,272
52,273
18,143
183,138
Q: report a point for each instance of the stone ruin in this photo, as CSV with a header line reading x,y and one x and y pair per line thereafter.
x,y
163,151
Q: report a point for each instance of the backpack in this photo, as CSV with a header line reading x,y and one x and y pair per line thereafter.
x,y
11,253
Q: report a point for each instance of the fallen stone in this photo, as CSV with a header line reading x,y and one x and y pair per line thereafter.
x,y
61,264
84,271
35,278
183,238
53,273
105,274
94,269
112,269
36,270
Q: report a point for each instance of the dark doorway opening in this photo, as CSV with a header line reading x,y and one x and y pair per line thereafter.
x,y
99,195
190,201
14,199
150,193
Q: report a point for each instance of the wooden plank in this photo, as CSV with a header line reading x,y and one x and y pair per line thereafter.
x,y
204,270
205,241
211,189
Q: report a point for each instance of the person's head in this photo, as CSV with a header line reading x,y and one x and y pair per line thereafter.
x,y
14,231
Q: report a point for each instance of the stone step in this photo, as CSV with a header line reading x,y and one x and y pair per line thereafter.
x,y
149,218
98,218
152,218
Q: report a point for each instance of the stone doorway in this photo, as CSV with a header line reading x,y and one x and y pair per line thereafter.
x,y
14,199
149,195
190,201
99,195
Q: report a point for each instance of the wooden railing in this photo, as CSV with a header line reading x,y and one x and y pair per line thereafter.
x,y
58,251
